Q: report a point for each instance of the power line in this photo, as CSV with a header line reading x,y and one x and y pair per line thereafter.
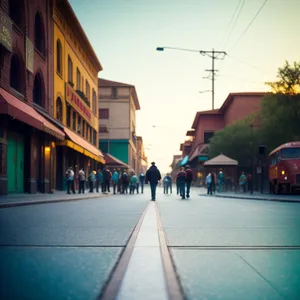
x,y
249,65
255,16
232,17
235,22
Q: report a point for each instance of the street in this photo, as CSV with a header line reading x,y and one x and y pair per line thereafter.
x,y
222,248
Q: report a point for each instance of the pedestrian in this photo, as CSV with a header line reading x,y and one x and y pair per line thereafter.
x,y
99,181
167,183
119,181
220,181
189,179
70,180
243,181
106,179
81,178
133,183
153,177
249,180
177,185
209,183
125,183
115,179
213,182
142,181
92,180
181,175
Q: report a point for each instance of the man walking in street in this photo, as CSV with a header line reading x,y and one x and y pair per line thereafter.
x,y
106,179
81,177
220,181
70,180
153,177
99,181
189,179
181,176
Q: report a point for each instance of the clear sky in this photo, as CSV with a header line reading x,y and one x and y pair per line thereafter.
x,y
125,34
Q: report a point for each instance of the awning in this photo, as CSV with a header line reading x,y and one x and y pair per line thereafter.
x,y
112,161
82,146
221,160
25,113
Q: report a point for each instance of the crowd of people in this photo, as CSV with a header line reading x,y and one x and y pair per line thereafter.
x,y
103,180
212,180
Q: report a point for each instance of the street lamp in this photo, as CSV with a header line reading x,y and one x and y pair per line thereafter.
x,y
212,54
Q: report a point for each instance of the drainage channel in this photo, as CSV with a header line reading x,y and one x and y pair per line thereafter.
x,y
145,269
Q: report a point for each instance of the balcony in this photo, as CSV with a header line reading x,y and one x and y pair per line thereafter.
x,y
83,97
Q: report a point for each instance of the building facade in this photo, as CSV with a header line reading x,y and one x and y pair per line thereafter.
x,y
118,104
142,161
75,107
27,138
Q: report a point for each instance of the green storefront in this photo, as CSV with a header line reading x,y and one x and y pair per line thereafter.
x,y
117,148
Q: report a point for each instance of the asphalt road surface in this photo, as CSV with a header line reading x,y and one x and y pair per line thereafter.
x,y
220,249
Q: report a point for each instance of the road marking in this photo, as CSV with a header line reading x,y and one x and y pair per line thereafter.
x,y
145,268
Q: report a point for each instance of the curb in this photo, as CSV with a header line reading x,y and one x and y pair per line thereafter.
x,y
14,204
258,199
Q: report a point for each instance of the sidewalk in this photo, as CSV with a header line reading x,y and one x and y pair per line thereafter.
x,y
255,196
31,199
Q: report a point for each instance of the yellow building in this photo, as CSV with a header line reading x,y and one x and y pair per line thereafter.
x,y
75,106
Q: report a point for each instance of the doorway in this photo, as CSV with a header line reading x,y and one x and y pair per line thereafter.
x,y
15,164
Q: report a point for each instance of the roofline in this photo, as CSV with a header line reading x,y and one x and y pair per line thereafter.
x,y
82,33
205,112
109,83
230,97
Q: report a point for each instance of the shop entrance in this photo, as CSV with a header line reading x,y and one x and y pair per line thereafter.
x,y
15,164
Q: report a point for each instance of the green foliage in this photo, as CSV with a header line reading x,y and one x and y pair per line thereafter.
x,y
289,79
279,119
280,114
236,141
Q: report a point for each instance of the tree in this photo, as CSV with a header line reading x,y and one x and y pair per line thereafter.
x,y
289,80
237,141
280,110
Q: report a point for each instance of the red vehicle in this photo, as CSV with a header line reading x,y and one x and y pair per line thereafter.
x,y
284,168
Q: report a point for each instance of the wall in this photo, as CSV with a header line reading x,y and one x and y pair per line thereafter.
x,y
207,123
118,122
241,107
70,47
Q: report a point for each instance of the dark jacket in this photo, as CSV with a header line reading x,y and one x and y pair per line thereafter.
x,y
142,178
181,176
153,175
106,175
189,175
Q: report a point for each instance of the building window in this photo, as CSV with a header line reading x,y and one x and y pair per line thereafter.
x,y
94,136
94,102
79,125
114,93
58,57
59,109
78,80
68,115
70,71
87,132
103,113
83,128
38,90
74,121
208,136
15,73
91,134
39,36
103,129
82,84
87,90
16,14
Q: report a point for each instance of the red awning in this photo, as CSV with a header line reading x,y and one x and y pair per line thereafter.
x,y
25,113
112,161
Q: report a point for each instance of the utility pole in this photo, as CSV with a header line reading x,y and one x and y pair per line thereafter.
x,y
214,55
